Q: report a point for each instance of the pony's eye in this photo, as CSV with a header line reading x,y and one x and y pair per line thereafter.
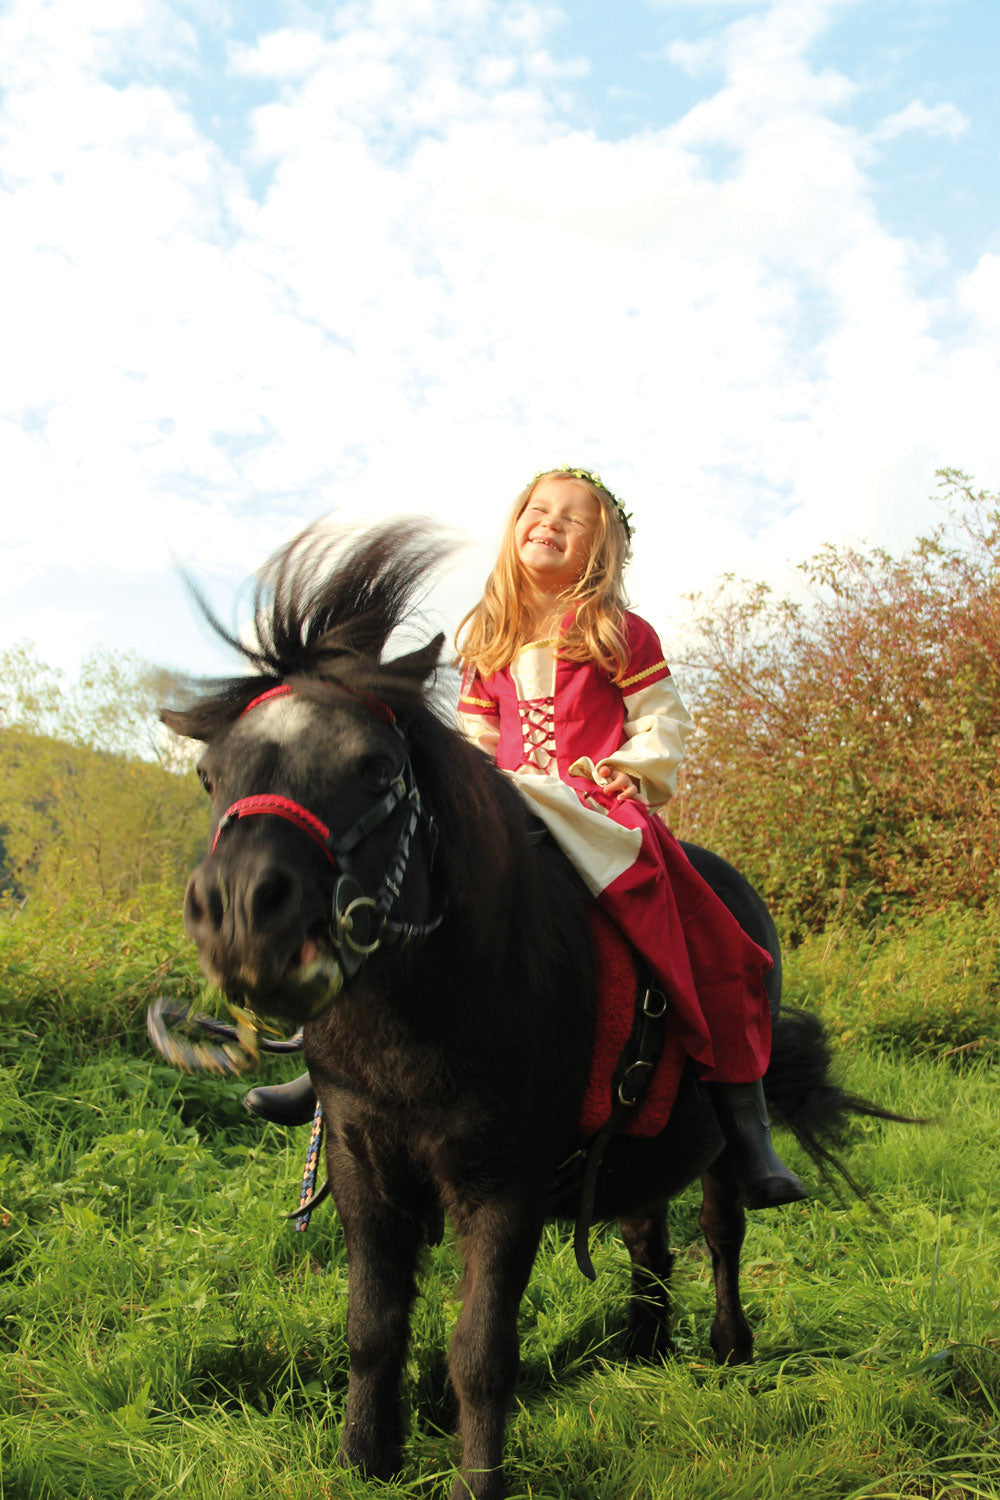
x,y
205,779
376,772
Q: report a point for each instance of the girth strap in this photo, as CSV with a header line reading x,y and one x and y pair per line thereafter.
x,y
632,1076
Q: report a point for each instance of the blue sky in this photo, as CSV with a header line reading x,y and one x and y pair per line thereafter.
x,y
269,262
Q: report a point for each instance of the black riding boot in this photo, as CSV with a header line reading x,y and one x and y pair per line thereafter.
x,y
761,1173
285,1103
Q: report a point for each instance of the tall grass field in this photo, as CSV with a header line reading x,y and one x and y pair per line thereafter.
x,y
164,1331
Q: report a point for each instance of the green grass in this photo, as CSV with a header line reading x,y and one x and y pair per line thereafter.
x,y
85,969
164,1332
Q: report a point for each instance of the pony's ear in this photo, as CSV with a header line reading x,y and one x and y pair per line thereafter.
x,y
419,664
190,724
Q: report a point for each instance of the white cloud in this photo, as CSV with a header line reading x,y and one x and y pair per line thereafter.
x,y
525,24
744,6
288,53
979,293
764,57
938,119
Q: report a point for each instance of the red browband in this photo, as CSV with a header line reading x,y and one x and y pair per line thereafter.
x,y
374,704
281,691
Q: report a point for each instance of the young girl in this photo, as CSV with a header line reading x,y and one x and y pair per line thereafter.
x,y
570,693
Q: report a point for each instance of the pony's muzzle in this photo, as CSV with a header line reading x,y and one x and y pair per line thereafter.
x,y
247,922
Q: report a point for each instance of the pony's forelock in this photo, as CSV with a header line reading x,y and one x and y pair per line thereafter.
x,y
324,615
324,608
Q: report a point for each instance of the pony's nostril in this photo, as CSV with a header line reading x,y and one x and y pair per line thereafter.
x,y
194,908
205,902
271,895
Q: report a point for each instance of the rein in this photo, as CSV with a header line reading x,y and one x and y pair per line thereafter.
x,y
360,924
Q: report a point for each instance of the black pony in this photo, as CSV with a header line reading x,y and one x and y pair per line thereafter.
x,y
373,876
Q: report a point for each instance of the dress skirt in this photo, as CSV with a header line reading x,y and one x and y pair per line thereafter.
x,y
710,970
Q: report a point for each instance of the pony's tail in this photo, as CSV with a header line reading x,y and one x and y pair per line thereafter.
x,y
803,1098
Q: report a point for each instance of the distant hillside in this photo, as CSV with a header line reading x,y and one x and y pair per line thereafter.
x,y
75,818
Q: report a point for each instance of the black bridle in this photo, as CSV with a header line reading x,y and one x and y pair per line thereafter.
x,y
360,924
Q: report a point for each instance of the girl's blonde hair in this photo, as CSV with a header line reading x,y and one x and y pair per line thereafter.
x,y
493,632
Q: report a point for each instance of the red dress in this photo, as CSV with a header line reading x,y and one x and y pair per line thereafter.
x,y
549,722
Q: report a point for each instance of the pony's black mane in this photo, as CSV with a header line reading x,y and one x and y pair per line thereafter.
x,y
323,609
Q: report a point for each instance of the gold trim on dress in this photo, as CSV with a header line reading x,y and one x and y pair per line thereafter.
x,y
477,702
628,681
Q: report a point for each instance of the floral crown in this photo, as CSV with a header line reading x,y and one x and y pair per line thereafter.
x,y
595,479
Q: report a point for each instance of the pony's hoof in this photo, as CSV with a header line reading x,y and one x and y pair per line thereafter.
x,y
646,1343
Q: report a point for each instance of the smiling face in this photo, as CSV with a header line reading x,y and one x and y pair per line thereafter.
x,y
554,534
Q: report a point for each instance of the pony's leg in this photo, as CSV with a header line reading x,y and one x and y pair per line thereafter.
x,y
647,1239
383,1242
499,1243
723,1224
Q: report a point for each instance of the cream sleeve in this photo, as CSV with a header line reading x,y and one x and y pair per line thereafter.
x,y
656,727
482,729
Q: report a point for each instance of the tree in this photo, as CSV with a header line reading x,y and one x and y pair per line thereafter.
x,y
113,705
96,796
847,750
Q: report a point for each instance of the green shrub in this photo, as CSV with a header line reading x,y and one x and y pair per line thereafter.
x,y
87,968
847,750
931,987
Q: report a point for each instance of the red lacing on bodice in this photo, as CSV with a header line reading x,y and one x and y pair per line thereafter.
x,y
538,731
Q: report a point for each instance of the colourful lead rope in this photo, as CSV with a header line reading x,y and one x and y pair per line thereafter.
x,y
309,1174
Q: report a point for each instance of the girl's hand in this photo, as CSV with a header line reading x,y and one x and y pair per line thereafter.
x,y
616,781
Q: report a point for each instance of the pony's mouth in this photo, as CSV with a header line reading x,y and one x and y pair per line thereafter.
x,y
307,985
312,949
314,974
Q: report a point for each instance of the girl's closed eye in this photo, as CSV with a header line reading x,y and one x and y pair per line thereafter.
x,y
541,510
